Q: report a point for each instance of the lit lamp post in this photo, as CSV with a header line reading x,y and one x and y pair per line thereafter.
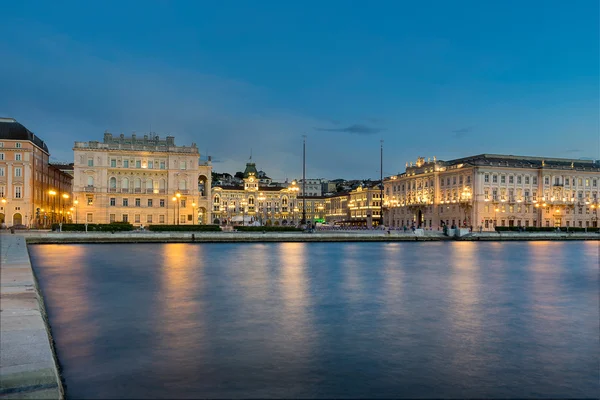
x,y
175,221
230,208
261,198
4,209
76,202
53,194
71,213
495,220
243,204
65,197
177,199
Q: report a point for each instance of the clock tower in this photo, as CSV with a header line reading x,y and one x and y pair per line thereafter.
x,y
250,178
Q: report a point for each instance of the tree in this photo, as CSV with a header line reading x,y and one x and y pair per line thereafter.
x,y
239,175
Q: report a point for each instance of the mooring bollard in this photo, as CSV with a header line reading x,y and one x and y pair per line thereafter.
x,y
193,237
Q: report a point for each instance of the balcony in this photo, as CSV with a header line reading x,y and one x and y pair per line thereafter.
x,y
184,191
556,184
112,190
89,189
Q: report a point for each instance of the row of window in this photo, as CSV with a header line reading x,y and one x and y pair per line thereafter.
x,y
18,145
527,179
17,172
511,179
17,192
156,164
137,202
567,181
18,157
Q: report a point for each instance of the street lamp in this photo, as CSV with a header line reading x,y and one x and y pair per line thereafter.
x,y
3,206
71,212
230,209
495,221
261,198
76,202
53,194
65,197
243,204
177,198
175,222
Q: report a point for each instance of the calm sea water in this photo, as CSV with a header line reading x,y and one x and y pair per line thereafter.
x,y
310,320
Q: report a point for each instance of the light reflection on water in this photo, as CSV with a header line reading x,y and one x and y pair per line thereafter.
x,y
310,320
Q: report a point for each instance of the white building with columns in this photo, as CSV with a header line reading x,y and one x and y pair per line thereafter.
x,y
491,190
143,181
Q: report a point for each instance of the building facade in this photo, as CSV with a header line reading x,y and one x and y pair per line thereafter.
x,y
315,208
33,193
311,188
358,207
143,181
491,190
255,204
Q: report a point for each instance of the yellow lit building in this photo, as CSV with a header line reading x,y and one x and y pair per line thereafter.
x,y
252,203
315,207
491,190
33,193
144,181
358,207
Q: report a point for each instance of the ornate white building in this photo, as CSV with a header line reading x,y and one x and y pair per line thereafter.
x,y
254,203
490,190
143,181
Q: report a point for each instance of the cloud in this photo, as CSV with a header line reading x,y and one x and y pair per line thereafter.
x,y
77,95
357,129
458,133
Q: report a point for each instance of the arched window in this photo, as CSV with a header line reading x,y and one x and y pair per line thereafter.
x,y
125,183
112,183
162,184
90,180
251,201
217,199
182,184
137,183
149,184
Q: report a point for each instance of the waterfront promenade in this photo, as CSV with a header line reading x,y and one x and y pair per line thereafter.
x,y
27,366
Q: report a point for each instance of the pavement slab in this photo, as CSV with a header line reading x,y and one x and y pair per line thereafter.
x,y
27,363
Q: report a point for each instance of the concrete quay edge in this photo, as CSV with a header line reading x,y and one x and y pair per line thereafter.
x,y
28,363
252,237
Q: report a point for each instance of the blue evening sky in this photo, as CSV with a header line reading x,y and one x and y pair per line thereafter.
x,y
443,78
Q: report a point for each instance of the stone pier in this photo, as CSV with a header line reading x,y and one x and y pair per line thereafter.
x,y
28,368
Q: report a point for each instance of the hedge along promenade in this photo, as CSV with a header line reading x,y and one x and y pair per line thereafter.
x,y
115,227
267,229
544,229
184,228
